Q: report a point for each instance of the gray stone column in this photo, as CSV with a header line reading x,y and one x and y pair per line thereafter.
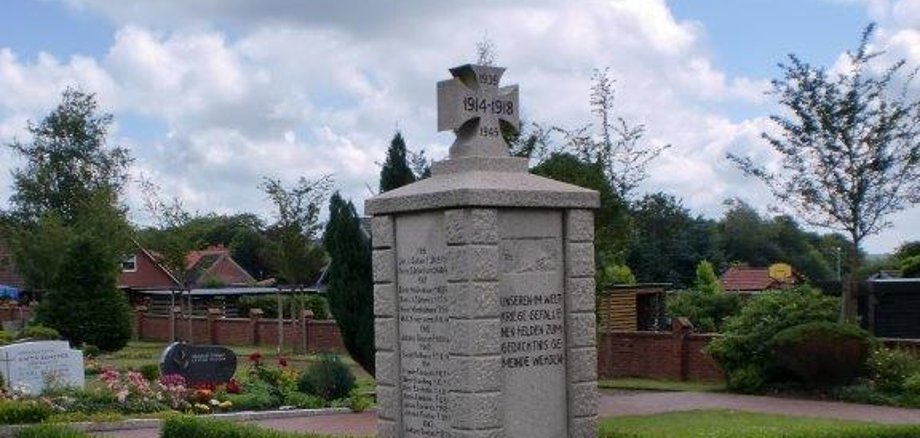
x,y
386,328
472,284
581,347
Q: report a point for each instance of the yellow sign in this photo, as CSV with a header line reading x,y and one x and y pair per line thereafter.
x,y
780,271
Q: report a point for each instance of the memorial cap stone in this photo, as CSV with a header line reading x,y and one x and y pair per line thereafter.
x,y
476,109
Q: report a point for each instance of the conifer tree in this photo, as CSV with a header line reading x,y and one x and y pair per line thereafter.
x,y
396,171
351,289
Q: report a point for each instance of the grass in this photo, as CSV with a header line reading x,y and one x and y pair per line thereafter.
x,y
733,424
660,385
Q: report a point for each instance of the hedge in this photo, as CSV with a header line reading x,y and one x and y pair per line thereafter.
x,y
50,431
192,427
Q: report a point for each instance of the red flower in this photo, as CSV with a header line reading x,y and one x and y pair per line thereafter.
x,y
233,386
255,357
282,362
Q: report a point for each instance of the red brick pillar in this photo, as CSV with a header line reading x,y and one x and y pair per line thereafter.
x,y
254,316
214,315
682,327
306,318
139,313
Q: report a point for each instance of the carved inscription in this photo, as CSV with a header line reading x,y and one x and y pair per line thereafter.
x,y
423,325
532,337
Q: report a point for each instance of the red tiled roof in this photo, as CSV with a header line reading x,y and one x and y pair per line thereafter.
x,y
747,279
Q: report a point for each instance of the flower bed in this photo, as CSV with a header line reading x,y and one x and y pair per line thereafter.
x,y
264,384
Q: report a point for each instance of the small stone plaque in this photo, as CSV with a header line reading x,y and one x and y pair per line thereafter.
x,y
199,364
31,366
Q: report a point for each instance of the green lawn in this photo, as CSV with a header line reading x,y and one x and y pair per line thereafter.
x,y
659,385
733,424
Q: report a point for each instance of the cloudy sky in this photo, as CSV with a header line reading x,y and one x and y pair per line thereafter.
x,y
211,96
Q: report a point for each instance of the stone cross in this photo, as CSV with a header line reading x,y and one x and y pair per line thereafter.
x,y
474,107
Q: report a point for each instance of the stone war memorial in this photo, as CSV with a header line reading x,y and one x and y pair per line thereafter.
x,y
484,286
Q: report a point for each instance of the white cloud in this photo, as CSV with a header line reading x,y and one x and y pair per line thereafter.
x,y
239,90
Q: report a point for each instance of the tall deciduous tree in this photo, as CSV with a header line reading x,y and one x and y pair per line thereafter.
x,y
297,226
351,289
68,163
850,147
396,171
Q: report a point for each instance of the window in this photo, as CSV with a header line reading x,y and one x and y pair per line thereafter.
x,y
129,264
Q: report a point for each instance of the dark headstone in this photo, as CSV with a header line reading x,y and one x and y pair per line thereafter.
x,y
199,364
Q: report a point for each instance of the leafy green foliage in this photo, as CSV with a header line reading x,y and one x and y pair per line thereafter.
x,y
849,143
706,304
668,242
297,226
351,291
23,411
396,171
85,286
614,274
890,368
193,427
50,431
910,267
823,354
38,332
745,349
328,378
611,223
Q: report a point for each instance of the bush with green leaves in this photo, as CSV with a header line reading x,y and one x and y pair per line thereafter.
x,y
23,412
823,354
706,304
745,346
50,431
86,286
5,337
328,378
38,333
890,368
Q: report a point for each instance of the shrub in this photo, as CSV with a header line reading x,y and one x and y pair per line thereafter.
x,y
360,403
823,353
303,401
150,371
23,412
890,368
328,378
38,333
256,396
50,431
706,305
191,427
5,337
745,343
91,350
85,285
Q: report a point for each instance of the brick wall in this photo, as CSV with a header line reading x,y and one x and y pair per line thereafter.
x,y
675,355
303,334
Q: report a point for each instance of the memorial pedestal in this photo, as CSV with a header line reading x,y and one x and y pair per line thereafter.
x,y
484,304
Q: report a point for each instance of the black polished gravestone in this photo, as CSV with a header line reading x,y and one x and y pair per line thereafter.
x,y
199,364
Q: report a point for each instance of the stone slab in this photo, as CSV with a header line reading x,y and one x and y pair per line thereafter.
x,y
30,366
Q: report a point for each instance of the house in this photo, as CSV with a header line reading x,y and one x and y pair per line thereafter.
x,y
213,266
748,280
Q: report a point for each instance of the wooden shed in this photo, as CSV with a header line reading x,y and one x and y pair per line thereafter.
x,y
634,307
893,307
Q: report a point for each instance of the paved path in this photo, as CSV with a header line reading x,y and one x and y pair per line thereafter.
x,y
617,403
